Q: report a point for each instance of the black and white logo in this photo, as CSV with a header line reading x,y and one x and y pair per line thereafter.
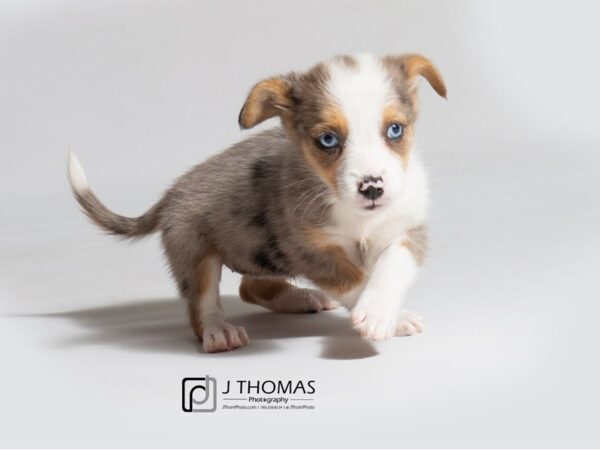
x,y
199,394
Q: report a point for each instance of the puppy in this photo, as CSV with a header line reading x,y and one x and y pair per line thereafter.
x,y
336,195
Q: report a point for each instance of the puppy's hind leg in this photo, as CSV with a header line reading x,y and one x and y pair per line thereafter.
x,y
278,295
217,335
197,270
206,313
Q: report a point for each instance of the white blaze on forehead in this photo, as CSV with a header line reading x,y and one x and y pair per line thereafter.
x,y
361,92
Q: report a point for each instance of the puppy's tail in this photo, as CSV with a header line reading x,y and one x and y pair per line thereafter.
x,y
126,227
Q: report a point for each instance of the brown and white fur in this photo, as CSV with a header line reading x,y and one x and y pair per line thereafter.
x,y
279,206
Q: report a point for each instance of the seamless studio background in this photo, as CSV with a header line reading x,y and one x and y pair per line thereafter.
x,y
93,341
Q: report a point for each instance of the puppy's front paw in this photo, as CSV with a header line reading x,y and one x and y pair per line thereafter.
x,y
374,322
222,337
409,324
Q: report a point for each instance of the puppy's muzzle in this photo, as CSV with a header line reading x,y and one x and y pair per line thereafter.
x,y
371,187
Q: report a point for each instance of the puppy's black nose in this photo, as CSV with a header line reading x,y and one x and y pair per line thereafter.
x,y
371,187
371,192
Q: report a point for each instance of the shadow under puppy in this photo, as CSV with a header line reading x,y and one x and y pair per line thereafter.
x,y
336,195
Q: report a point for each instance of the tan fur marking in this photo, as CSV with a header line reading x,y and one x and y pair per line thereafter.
x,y
326,170
331,119
347,276
204,276
393,113
204,280
416,243
326,165
253,289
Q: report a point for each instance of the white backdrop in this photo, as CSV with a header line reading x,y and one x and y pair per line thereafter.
x,y
94,343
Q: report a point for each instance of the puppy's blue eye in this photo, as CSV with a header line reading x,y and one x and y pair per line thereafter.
x,y
395,131
328,140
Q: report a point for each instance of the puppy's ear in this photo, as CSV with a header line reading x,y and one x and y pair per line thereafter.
x,y
413,65
268,98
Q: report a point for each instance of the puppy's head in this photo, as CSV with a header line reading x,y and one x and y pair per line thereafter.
x,y
353,118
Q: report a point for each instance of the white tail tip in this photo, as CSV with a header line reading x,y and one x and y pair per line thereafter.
x,y
76,174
